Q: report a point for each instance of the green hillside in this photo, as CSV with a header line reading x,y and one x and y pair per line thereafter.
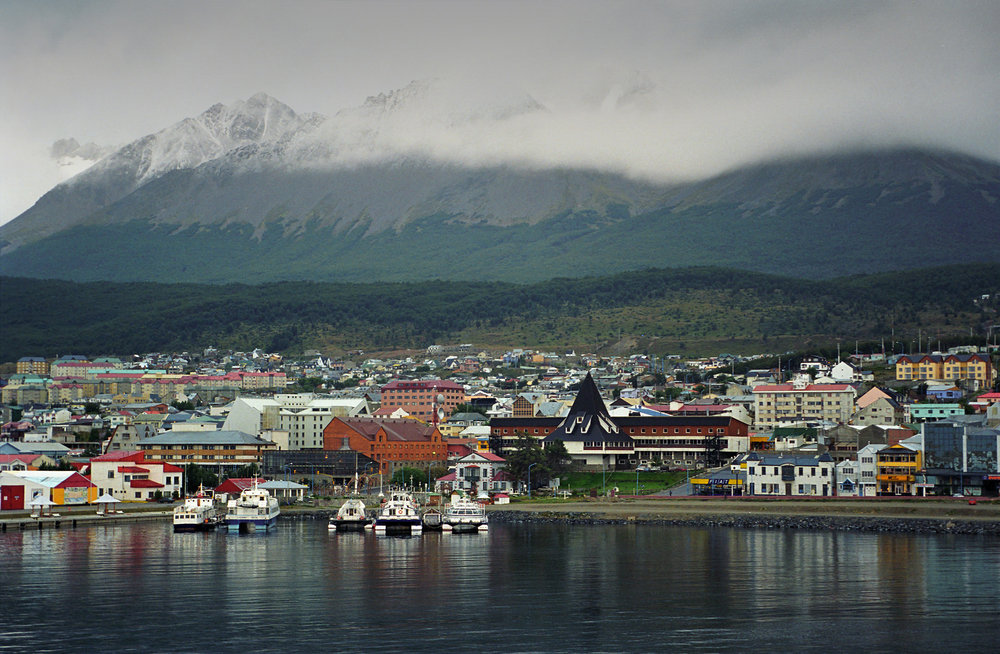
x,y
685,311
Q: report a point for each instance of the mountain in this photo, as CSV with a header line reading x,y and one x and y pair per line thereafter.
x,y
254,192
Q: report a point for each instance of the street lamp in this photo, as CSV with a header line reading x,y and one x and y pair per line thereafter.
x,y
637,480
529,478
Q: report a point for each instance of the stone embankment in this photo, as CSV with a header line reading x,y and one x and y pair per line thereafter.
x,y
817,523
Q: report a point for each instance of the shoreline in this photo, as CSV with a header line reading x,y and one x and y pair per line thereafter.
x,y
876,515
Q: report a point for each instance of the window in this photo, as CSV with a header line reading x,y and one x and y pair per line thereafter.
x,y
111,474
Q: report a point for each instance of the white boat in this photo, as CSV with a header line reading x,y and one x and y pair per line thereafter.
x,y
463,515
350,517
399,514
202,512
253,509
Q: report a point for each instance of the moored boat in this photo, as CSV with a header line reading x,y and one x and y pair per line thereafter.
x,y
432,520
350,517
398,514
463,515
202,512
252,510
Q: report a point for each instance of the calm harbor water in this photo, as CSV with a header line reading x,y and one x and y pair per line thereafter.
x,y
518,588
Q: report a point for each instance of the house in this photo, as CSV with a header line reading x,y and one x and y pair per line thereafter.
x,y
285,491
771,474
942,392
127,475
236,485
880,411
476,472
924,412
18,488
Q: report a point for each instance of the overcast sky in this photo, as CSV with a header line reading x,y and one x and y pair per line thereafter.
x,y
719,83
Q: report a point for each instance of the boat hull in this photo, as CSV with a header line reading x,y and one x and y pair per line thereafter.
x,y
251,524
194,526
398,526
348,525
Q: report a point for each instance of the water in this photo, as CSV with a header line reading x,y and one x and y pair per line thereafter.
x,y
519,588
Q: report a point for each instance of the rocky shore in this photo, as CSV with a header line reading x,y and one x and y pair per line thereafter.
x,y
818,523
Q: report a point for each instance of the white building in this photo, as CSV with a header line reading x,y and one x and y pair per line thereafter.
x,y
813,476
303,416
777,404
129,476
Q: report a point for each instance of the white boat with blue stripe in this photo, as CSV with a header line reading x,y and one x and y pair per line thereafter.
x,y
253,510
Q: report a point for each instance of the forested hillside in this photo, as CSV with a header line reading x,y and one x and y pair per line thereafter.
x,y
684,311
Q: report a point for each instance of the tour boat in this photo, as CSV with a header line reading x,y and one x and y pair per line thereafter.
x,y
350,517
202,512
398,514
253,509
463,515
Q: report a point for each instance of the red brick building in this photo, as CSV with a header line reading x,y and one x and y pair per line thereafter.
x,y
391,442
419,397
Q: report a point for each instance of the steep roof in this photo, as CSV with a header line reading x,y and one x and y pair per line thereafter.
x,y
588,419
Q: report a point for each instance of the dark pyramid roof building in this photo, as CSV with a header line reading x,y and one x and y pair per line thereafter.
x,y
589,420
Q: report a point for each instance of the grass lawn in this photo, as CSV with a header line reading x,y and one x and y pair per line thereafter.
x,y
649,482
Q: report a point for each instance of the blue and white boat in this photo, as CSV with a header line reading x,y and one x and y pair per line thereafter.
x,y
254,510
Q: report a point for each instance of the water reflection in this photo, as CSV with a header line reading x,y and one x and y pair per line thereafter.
x,y
517,588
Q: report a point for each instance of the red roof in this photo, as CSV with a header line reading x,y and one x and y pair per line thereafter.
x,y
169,467
448,477
237,485
145,483
76,480
26,459
131,469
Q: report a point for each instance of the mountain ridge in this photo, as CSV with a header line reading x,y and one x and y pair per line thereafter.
x,y
256,174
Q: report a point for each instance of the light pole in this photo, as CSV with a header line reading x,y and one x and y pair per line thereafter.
x,y
529,478
637,481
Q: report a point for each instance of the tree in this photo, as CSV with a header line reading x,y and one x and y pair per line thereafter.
x,y
557,459
186,405
527,454
90,408
407,476
197,476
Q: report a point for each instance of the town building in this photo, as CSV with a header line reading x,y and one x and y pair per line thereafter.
x,y
391,443
975,368
961,458
129,476
772,474
423,398
299,417
32,366
777,404
897,467
19,488
224,450
940,411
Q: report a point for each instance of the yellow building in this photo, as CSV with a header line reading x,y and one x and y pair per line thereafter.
x,y
896,470
945,367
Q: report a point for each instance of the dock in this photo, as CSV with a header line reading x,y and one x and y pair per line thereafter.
x,y
74,519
